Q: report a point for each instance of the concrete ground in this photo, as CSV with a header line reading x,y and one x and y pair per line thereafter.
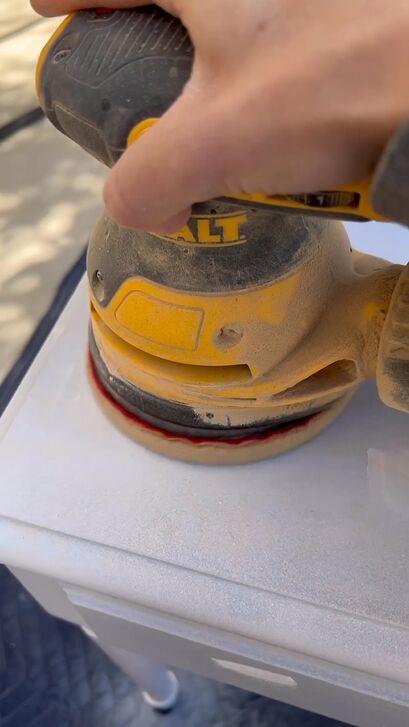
x,y
50,190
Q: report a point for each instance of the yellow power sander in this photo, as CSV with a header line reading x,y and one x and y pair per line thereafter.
x,y
248,331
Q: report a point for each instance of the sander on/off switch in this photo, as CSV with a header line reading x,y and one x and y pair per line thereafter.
x,y
248,331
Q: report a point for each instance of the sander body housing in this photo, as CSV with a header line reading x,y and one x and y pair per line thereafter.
x,y
246,332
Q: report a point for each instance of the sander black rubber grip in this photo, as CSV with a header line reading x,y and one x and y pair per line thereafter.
x,y
102,73
105,75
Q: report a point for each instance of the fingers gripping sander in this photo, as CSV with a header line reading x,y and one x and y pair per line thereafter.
x,y
245,333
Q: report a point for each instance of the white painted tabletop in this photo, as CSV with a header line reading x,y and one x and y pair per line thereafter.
x,y
308,552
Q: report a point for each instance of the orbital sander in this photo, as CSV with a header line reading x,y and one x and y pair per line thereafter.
x,y
247,332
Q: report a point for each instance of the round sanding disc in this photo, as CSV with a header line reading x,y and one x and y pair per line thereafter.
x,y
216,452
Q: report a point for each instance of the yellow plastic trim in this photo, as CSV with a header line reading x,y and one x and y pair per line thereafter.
x,y
139,129
231,385
191,328
363,210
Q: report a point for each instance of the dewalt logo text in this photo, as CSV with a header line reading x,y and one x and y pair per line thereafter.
x,y
212,230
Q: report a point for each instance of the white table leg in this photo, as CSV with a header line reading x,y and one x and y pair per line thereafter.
x,y
159,685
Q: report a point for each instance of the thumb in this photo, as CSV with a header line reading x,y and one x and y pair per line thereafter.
x,y
176,163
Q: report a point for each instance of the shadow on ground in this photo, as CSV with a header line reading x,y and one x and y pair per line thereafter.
x,y
50,197
22,36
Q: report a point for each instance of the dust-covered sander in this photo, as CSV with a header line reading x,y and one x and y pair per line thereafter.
x,y
248,331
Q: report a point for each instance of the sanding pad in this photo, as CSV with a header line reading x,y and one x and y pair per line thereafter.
x,y
219,451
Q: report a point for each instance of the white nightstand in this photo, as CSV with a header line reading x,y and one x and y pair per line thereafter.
x,y
289,577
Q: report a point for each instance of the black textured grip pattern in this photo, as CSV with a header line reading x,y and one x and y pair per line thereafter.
x,y
112,43
103,74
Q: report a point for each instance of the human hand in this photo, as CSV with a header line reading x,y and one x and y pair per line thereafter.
x,y
285,97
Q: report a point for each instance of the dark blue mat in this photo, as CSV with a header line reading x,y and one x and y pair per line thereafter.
x,y
51,675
